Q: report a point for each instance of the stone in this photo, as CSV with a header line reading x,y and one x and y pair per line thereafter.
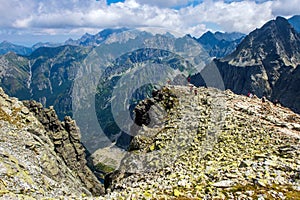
x,y
223,184
245,163
271,163
231,175
262,182
25,110
176,193
258,156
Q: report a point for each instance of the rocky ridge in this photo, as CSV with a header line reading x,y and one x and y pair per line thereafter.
x,y
39,155
213,145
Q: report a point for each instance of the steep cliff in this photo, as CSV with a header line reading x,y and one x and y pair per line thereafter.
x,y
39,155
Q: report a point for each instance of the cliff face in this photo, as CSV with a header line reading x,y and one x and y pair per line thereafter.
x,y
39,155
211,145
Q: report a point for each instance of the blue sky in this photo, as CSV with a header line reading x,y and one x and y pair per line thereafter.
x,y
114,1
29,21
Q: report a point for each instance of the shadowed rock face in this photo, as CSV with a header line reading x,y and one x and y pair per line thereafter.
x,y
41,156
265,63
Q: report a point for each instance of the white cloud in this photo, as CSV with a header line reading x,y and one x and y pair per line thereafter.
x,y
74,16
236,16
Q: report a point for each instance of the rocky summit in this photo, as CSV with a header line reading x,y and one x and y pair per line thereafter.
x,y
190,143
211,145
41,156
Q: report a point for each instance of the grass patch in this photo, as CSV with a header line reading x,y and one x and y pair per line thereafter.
x,y
104,168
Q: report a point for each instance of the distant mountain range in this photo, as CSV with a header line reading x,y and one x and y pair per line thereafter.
x,y
85,40
94,40
265,62
217,44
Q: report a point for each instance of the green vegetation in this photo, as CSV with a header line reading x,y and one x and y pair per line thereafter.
x,y
104,168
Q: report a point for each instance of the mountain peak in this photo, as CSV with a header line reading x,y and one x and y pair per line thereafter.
x,y
276,39
280,18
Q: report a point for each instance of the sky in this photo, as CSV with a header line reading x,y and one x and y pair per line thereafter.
x,y
27,22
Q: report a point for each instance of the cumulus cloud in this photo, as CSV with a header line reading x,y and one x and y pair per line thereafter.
x,y
237,16
194,17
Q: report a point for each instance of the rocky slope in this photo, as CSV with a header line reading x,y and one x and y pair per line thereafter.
x,y
213,145
39,155
192,143
266,63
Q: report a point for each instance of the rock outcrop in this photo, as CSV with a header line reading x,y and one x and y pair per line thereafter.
x,y
66,139
39,155
213,145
